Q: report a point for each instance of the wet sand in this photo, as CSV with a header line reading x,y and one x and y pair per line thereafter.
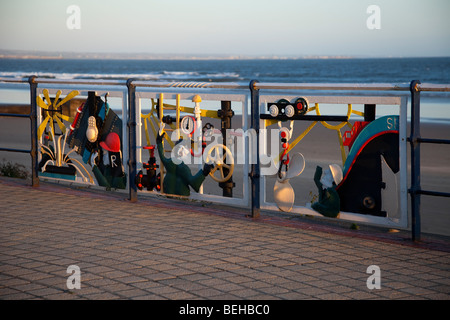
x,y
319,147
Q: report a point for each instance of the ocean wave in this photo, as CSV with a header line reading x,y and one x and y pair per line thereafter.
x,y
180,73
158,76
71,76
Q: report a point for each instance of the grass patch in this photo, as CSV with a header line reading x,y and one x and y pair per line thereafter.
x,y
13,170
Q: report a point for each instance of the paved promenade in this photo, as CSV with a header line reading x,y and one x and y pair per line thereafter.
x,y
160,248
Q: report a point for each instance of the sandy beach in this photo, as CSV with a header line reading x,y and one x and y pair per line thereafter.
x,y
319,147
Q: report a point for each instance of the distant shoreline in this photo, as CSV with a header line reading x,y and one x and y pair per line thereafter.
x,y
29,57
167,57
12,54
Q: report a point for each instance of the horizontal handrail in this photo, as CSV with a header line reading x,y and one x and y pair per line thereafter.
x,y
67,81
436,141
192,84
15,150
332,86
353,86
15,115
239,85
433,193
82,81
434,87
14,80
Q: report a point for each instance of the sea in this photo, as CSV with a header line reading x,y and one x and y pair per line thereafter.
x,y
435,70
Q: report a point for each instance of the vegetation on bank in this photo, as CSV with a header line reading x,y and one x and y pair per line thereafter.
x,y
13,170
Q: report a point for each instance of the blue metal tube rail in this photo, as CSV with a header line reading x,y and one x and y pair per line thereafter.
x,y
33,134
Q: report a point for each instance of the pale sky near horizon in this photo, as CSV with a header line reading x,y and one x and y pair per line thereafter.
x,y
230,27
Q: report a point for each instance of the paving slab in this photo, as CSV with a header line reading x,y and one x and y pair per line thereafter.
x,y
161,248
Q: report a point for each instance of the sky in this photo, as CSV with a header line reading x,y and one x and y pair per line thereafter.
x,y
229,27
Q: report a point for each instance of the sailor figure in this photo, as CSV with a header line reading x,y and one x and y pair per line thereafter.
x,y
178,177
107,164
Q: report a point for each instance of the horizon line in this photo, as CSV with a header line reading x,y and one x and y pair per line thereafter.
x,y
25,54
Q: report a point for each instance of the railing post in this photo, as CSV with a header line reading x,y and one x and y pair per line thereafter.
x,y
34,137
132,140
415,160
256,169
226,113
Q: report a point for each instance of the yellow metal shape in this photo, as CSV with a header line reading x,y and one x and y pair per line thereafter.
x,y
269,122
338,126
197,98
158,107
359,113
203,113
55,109
58,157
217,154
178,116
297,140
161,106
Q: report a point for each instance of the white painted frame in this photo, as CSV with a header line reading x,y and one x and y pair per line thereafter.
x,y
207,94
402,102
113,92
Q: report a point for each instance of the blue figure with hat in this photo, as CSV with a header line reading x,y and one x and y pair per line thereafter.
x,y
107,163
178,178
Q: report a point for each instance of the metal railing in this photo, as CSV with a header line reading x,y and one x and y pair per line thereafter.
x,y
415,87
254,87
415,140
33,132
